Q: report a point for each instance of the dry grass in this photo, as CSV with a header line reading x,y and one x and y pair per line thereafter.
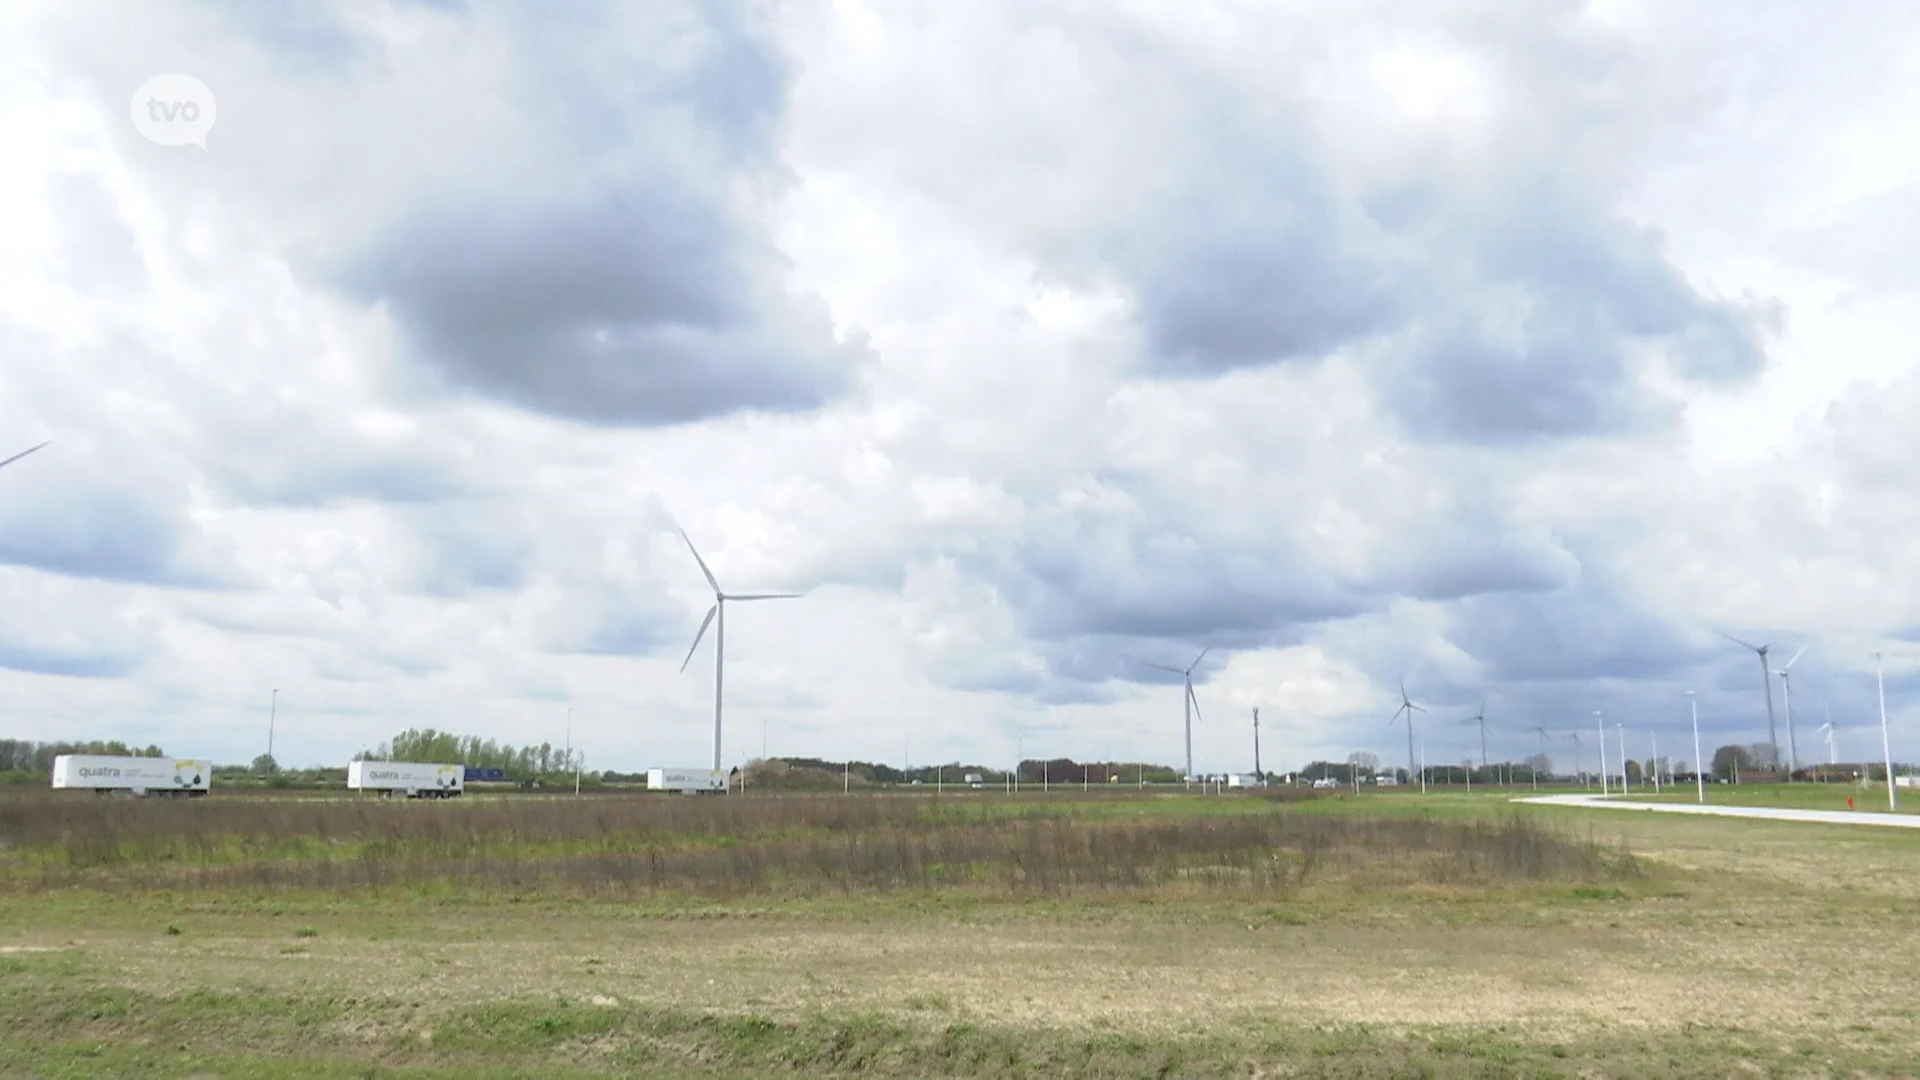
x,y
727,848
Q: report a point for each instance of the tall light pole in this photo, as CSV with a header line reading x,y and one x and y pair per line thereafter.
x,y
1886,744
1620,729
1653,738
1600,724
273,710
1699,766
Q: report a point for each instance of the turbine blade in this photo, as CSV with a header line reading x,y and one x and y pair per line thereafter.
x,y
1161,667
21,454
702,633
765,596
1737,641
1789,664
1414,708
1195,699
698,559
1197,659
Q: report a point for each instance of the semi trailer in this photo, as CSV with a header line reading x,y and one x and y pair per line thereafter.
x,y
133,775
413,779
688,781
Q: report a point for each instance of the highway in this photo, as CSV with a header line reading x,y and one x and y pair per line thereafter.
x,y
1769,813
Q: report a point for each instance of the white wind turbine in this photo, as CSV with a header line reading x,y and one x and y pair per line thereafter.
x,y
1192,702
1409,708
1773,738
1786,691
21,454
719,611
1827,729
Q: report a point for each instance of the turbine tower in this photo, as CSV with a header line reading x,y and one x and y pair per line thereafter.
x,y
1409,708
21,454
1833,755
1534,772
1766,683
1481,719
719,611
1192,703
1786,692
1256,743
1579,760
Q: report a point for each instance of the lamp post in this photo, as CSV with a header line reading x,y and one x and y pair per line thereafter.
x,y
1620,729
1600,724
1886,744
1699,766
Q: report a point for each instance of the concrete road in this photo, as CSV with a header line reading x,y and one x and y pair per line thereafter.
x,y
1771,813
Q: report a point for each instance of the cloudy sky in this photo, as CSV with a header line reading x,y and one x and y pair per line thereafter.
x,y
1512,349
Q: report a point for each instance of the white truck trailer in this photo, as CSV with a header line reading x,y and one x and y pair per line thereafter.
x,y
687,781
134,775
413,779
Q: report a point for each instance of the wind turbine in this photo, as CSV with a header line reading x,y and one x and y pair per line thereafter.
x,y
1408,707
719,611
1766,683
1827,729
1256,745
21,454
1535,773
1192,702
1786,690
1481,719
1579,748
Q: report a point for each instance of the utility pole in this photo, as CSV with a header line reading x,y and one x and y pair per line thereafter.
x,y
1886,744
273,709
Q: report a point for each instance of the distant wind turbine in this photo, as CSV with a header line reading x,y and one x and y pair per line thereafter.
x,y
1827,729
1481,719
1766,683
1543,753
1409,708
1256,745
1579,749
1192,702
719,611
1786,691
21,454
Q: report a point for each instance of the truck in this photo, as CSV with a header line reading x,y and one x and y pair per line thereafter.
x,y
134,775
414,779
687,781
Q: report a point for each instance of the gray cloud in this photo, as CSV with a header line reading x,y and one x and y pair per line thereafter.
x,y
629,306
106,535
79,661
639,287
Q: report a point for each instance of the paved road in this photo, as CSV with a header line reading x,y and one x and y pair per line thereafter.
x,y
1822,817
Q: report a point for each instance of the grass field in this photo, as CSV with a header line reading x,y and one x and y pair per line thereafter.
x,y
1797,796
1384,935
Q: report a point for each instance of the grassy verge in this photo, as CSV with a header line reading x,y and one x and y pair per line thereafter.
x,y
86,1031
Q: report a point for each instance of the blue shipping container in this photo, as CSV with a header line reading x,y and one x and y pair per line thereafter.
x,y
485,774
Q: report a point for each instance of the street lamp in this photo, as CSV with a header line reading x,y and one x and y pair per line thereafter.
x,y
1699,766
1886,745
1600,724
1625,781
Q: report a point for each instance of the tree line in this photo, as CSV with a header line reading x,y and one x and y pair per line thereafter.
x,y
518,762
35,759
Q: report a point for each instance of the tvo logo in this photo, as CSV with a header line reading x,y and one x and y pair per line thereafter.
x,y
174,110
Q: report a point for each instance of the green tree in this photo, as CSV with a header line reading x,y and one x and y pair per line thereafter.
x,y
1728,761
